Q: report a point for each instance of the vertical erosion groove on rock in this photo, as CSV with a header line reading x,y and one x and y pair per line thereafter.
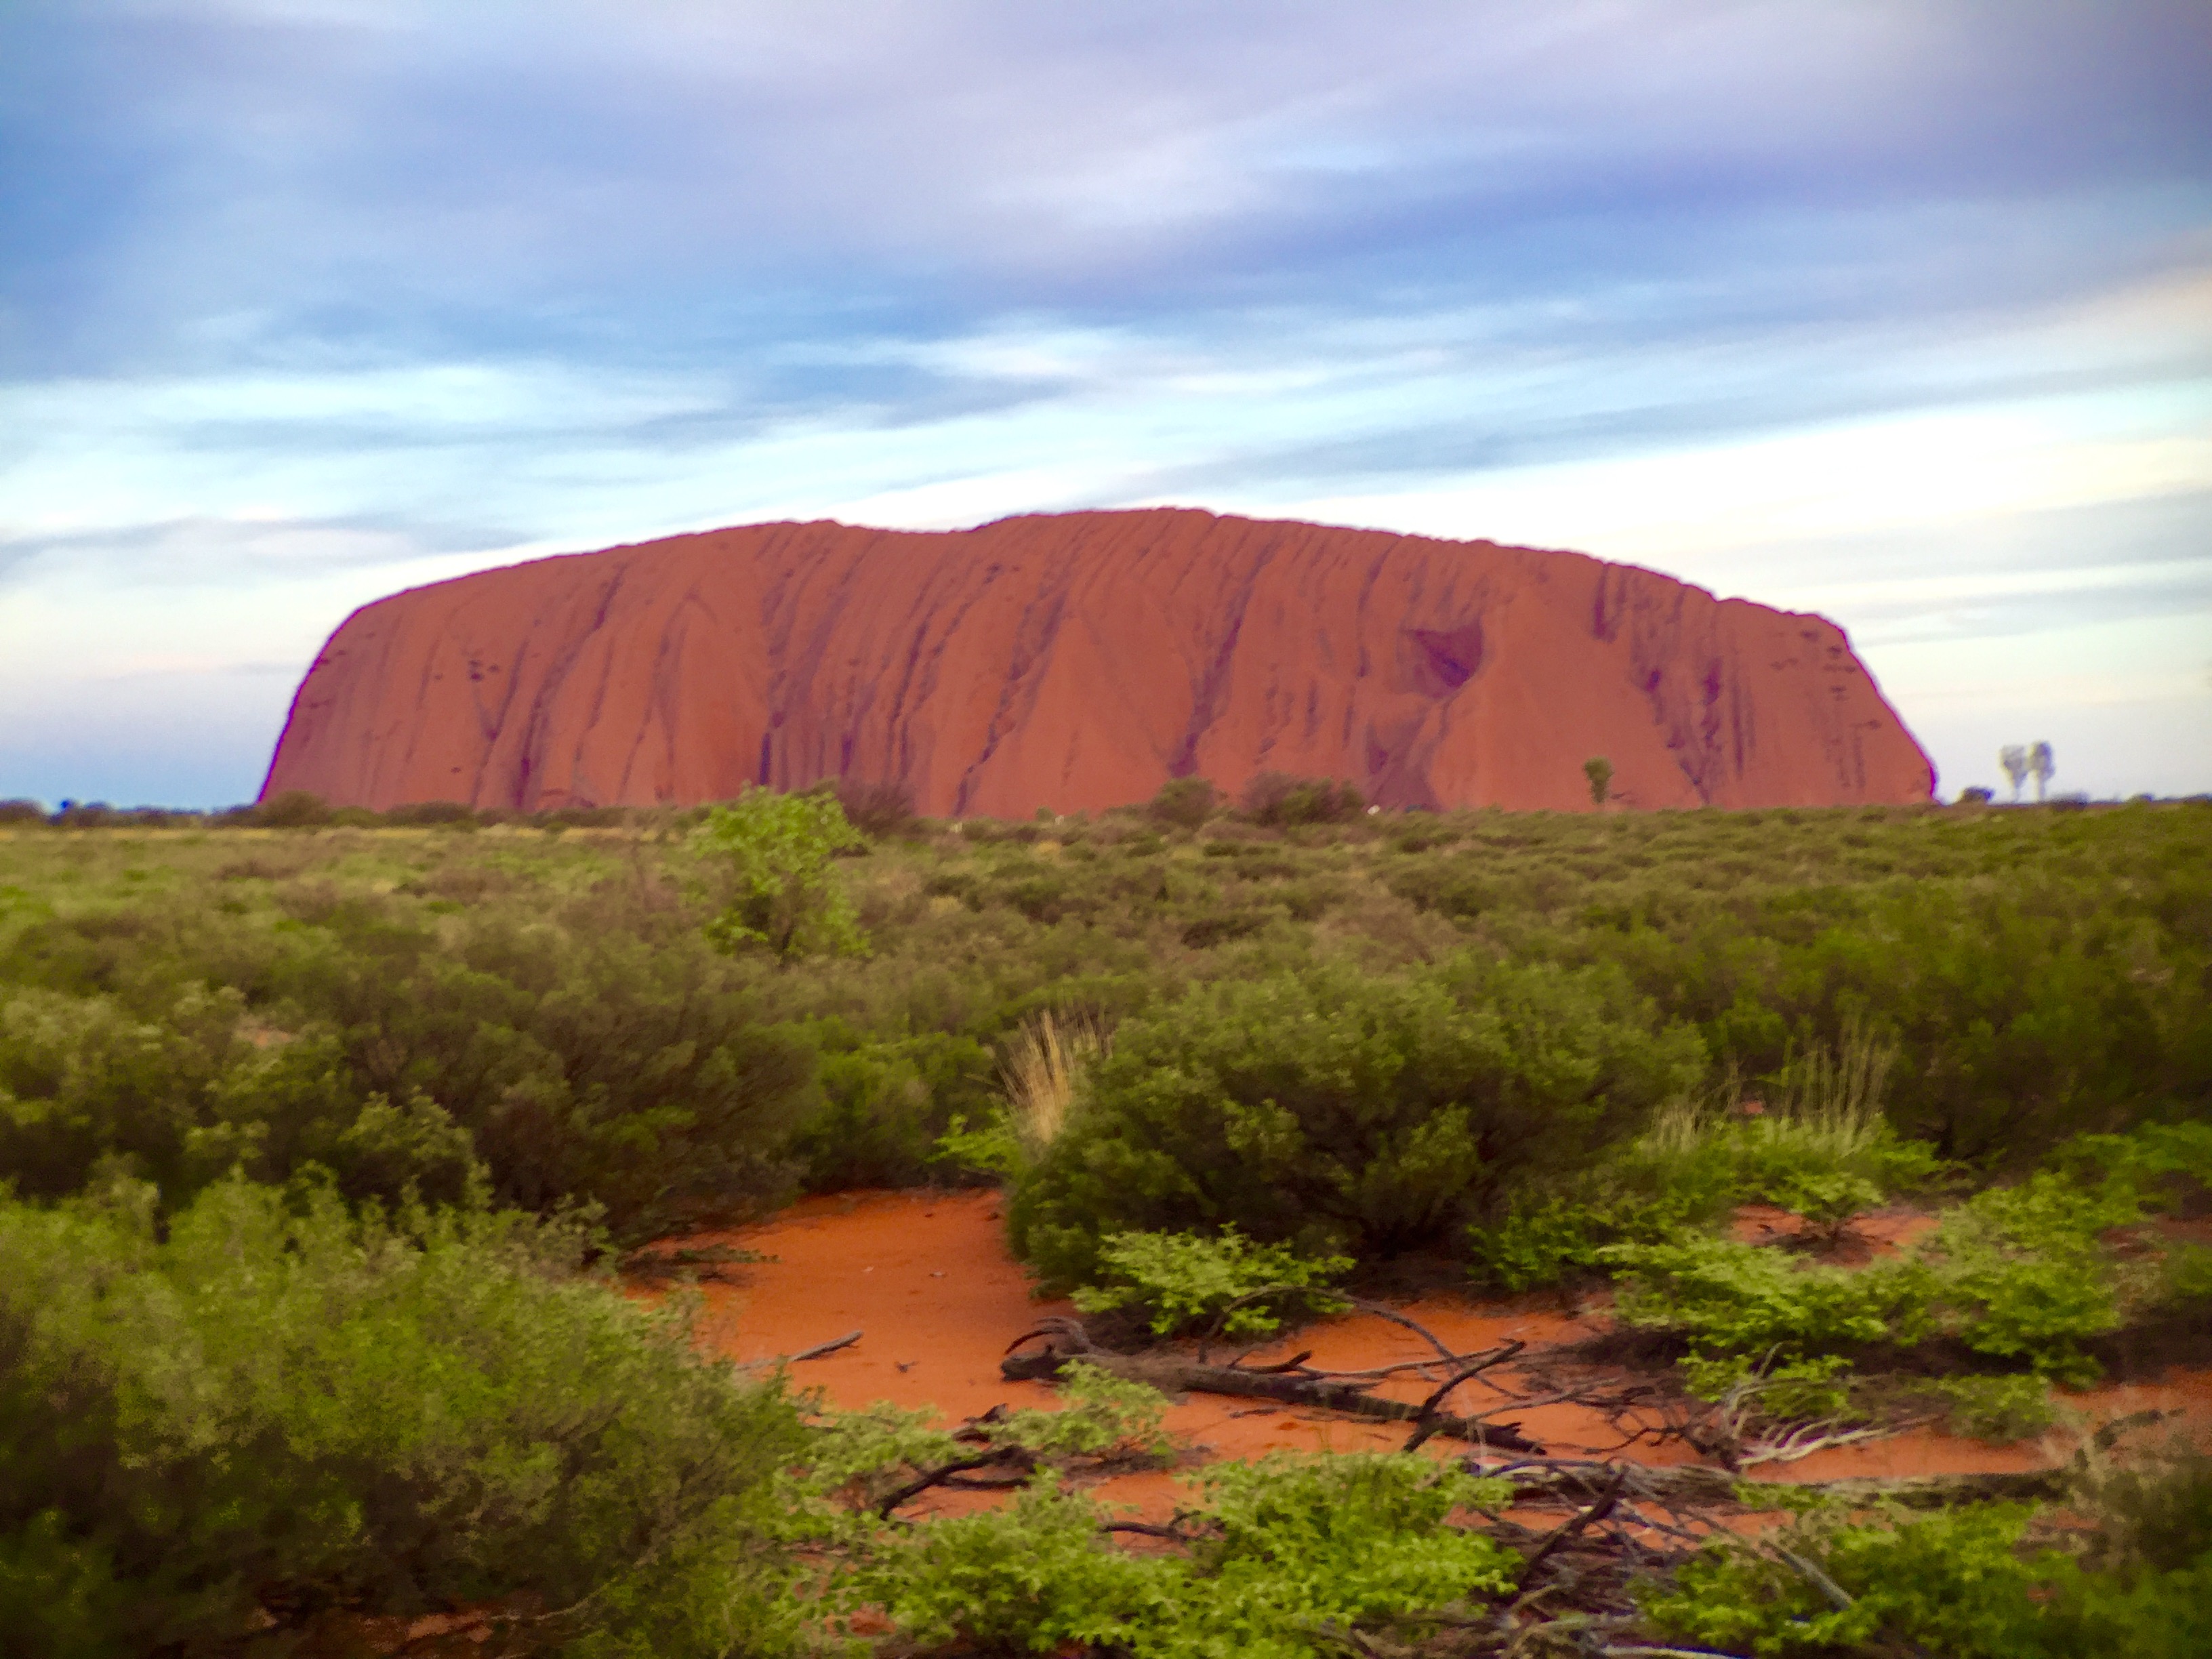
x,y
1076,661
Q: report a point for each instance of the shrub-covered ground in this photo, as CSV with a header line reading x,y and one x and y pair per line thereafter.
x,y
285,1104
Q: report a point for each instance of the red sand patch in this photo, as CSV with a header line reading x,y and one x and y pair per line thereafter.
x,y
926,1279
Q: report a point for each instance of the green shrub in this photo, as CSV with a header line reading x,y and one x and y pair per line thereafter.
x,y
1185,803
775,851
430,814
1780,1390
2018,1274
1952,1583
1999,1409
1343,1111
1294,1553
1031,1577
1183,1282
1310,1545
1281,801
2164,1165
294,809
269,1421
1965,1583
1737,1298
2025,1274
1688,1170
886,1107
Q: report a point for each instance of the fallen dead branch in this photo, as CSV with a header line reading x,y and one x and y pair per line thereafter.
x,y
1014,1458
1064,1339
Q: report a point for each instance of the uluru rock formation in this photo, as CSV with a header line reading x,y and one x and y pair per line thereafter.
x,y
1076,661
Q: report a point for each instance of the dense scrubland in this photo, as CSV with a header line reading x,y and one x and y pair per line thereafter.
x,y
327,1135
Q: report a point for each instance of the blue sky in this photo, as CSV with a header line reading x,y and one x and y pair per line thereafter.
x,y
1899,311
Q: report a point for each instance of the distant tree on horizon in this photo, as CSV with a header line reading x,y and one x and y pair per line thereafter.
x,y
2040,765
1599,771
2013,759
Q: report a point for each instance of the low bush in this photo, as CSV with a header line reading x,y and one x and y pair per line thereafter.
x,y
1736,1298
1225,1284
294,809
2025,1272
426,814
2022,1274
1985,1582
1185,803
1295,1555
886,1107
1998,1409
1954,1583
1281,801
877,810
1342,1112
1822,1151
274,1422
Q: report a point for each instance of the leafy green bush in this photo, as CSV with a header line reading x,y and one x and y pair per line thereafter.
x,y
2164,1165
1294,1552
270,1422
1968,1584
1183,1282
1032,1576
1952,1583
1185,803
2025,1272
1281,801
775,851
1999,1409
886,1107
1344,1111
1823,1151
1357,1541
1731,1297
2018,1274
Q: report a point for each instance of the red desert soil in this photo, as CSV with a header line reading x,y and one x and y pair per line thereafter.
x,y
1076,661
926,1278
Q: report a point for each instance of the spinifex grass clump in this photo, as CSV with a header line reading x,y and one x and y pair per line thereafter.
x,y
1041,1068
1045,1060
1822,1148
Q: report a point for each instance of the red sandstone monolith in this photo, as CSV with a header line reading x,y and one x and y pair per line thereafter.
x,y
1076,661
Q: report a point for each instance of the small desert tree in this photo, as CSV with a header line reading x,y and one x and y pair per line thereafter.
x,y
1185,803
1599,771
2013,759
778,850
2040,766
